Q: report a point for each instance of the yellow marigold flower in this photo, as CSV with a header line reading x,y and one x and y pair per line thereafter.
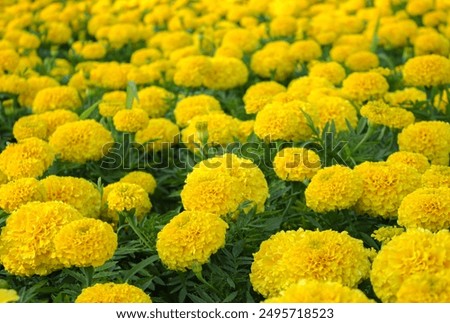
x,y
30,126
296,164
415,160
380,113
245,129
190,71
113,293
362,61
363,86
241,38
33,85
419,7
260,94
170,41
57,33
436,176
416,251
305,50
229,51
429,138
154,100
214,128
183,52
335,109
19,192
77,192
385,234
427,70
273,61
287,257
8,295
126,197
84,243
145,56
27,239
160,134
427,208
13,84
331,71
398,33
121,34
315,291
425,288
60,97
431,43
111,75
226,73
9,59
333,188
3,178
405,98
54,119
130,120
112,102
29,158
283,26
284,121
196,105
302,87
81,141
143,179
434,18
89,50
339,53
394,180
189,239
220,184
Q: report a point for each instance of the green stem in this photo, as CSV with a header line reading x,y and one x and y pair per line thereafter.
x,y
197,270
365,138
133,226
88,274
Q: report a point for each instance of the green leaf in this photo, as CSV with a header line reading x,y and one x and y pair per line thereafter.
x,y
144,263
86,113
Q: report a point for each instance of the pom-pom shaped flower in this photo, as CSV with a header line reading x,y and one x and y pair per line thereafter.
x,y
380,113
111,75
12,84
191,70
315,291
258,95
112,102
219,185
362,61
436,176
395,181
284,121
145,180
331,71
287,257
130,120
27,239
337,110
426,288
427,208
363,86
241,38
429,138
225,73
19,192
415,160
30,126
81,141
29,158
427,70
385,234
154,100
85,242
113,293
54,119
60,97
193,106
405,98
273,60
33,85
160,134
296,164
9,59
413,252
8,295
122,197
77,192
302,87
189,239
333,188
305,50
